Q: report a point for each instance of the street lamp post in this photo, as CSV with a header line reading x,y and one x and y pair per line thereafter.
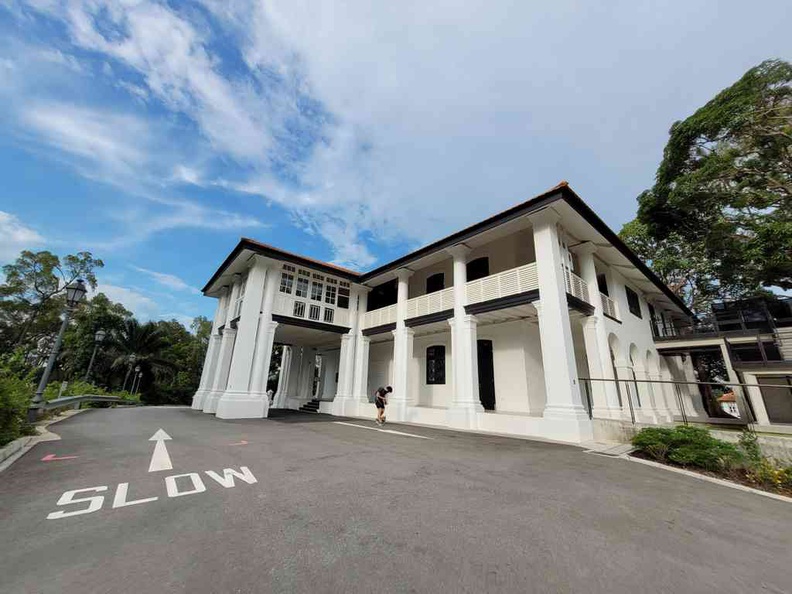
x,y
75,292
136,379
132,359
98,338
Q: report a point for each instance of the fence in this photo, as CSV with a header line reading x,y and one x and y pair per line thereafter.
x,y
717,403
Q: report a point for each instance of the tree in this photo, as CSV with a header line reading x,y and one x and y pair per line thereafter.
x,y
141,345
720,211
32,296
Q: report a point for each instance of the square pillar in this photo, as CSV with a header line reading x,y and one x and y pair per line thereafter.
x,y
402,352
361,370
238,401
220,380
212,352
558,352
604,393
600,407
283,378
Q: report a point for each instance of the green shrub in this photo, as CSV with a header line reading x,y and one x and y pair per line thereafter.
x,y
767,473
749,444
14,400
688,446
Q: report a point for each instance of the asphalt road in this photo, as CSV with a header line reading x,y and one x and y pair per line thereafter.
x,y
341,508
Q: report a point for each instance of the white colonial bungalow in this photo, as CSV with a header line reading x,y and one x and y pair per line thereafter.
x,y
489,329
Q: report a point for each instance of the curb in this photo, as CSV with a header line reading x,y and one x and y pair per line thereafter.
x,y
710,479
13,451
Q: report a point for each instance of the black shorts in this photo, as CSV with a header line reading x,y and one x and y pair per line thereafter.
x,y
379,404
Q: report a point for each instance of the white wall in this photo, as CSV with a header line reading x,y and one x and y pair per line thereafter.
x,y
380,369
329,385
423,394
417,282
517,358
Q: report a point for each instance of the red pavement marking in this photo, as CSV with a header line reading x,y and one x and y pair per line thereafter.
x,y
243,442
53,457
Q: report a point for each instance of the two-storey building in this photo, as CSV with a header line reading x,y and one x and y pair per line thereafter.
x,y
489,329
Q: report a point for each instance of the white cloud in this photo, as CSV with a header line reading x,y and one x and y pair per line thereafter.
x,y
15,236
169,280
134,300
418,117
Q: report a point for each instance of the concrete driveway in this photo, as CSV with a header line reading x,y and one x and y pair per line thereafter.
x,y
348,508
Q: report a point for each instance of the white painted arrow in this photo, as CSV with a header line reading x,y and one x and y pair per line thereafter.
x,y
160,459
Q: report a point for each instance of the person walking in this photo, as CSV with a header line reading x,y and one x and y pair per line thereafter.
x,y
380,400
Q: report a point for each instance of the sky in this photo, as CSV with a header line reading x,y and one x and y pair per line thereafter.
x,y
156,134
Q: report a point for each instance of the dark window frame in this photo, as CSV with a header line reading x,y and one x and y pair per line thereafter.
x,y
477,274
435,282
633,302
436,365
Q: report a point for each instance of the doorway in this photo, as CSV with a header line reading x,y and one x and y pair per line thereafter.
x,y
486,374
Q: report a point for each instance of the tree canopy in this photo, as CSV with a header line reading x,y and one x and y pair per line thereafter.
x,y
718,220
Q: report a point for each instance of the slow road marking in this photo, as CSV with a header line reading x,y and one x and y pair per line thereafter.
x,y
391,431
160,459
53,458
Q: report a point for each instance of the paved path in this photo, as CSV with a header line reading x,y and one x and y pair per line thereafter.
x,y
344,508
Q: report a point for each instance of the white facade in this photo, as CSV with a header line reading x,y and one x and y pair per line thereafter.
x,y
491,330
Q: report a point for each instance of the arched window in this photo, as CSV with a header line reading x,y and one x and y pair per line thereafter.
x,y
478,268
435,365
435,282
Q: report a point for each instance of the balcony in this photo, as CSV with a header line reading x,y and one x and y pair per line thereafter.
x,y
379,317
510,282
609,307
430,303
576,286
314,311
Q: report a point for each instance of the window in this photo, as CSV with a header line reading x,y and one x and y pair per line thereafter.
x,y
343,297
302,287
478,268
435,365
316,291
313,312
240,298
330,294
633,303
435,282
287,281
328,315
602,284
299,309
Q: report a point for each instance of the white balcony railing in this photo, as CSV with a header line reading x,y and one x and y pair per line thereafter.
x,y
609,307
510,282
379,317
576,286
307,309
430,303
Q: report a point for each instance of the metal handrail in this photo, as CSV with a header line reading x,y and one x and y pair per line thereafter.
x,y
71,400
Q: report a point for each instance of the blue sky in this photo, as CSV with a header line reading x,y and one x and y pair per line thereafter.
x,y
155,134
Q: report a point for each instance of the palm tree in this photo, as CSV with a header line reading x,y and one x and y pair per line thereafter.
x,y
140,344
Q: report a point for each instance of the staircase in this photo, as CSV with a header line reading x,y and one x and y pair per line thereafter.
x,y
784,342
312,406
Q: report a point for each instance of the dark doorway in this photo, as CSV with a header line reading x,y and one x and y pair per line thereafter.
x,y
478,268
486,374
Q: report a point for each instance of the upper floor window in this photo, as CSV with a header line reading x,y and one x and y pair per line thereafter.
x,y
633,302
602,284
287,282
435,282
301,290
240,298
343,297
330,294
478,268
435,365
317,289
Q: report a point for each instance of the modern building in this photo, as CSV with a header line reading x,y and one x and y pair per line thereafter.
x,y
517,325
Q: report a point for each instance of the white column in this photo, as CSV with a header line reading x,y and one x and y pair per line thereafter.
x,y
265,337
343,403
307,370
604,394
599,404
558,352
739,392
220,380
465,402
283,377
360,371
402,351
237,402
212,351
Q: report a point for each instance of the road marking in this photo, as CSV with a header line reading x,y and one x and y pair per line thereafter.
x,y
53,458
382,430
243,442
160,459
